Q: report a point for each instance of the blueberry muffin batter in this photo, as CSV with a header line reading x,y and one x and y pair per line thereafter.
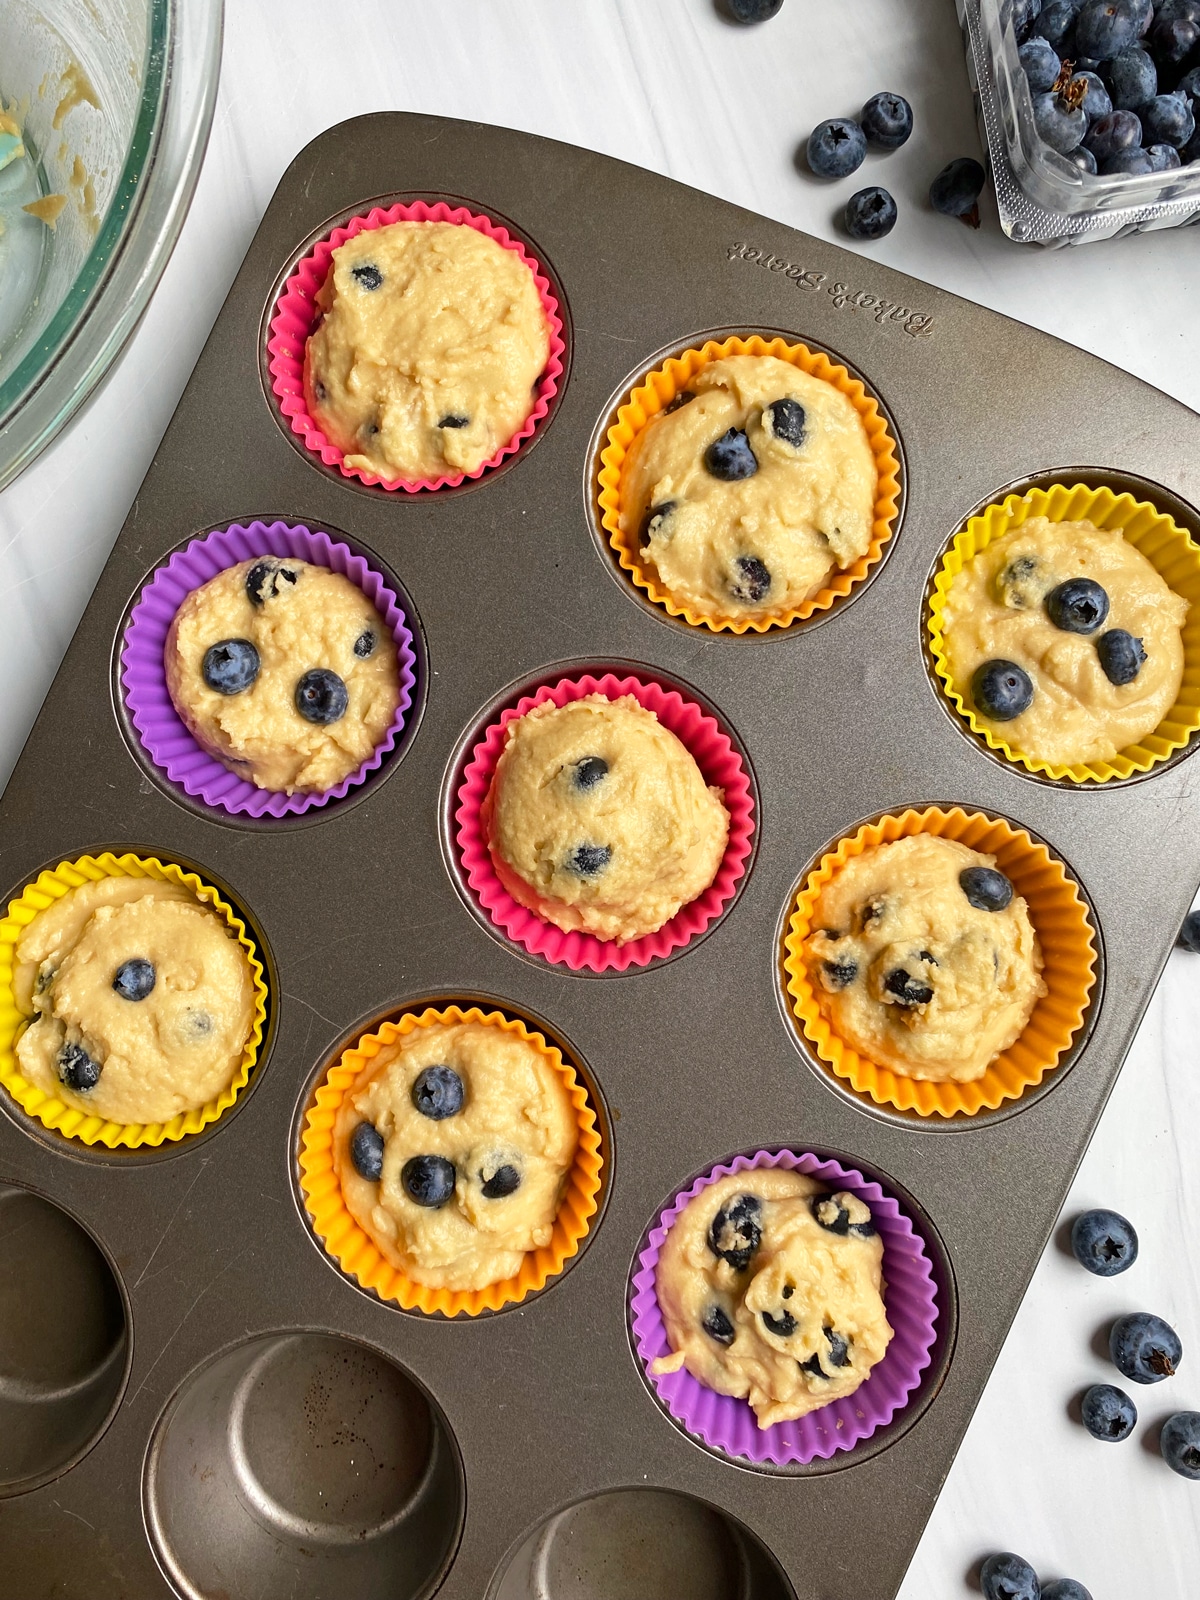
x,y
141,998
749,494
284,671
771,1289
430,349
1064,640
599,819
452,1149
924,959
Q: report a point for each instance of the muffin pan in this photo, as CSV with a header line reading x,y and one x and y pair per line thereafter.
x,y
230,1414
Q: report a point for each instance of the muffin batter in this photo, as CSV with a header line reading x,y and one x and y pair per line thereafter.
x,y
432,343
997,610
284,671
771,1290
925,960
142,1000
747,497
452,1149
599,819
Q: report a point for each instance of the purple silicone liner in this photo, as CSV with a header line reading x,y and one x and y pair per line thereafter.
x,y
729,1425
163,734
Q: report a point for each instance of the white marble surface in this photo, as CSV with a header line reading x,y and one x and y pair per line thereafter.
x,y
667,84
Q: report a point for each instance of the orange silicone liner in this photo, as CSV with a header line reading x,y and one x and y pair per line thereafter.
x,y
352,1247
1060,918
655,392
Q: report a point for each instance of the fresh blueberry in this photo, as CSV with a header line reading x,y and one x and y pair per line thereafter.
x,y
907,990
752,582
1172,39
438,1093
1092,95
837,975
1189,85
266,578
654,519
1145,11
985,888
1084,160
730,457
735,1233
1060,124
367,276
428,1180
1179,1442
1144,1347
1189,934
230,666
831,1212
1120,130
1007,1577
586,774
1108,1413
1167,119
1065,1589
454,419
1025,14
786,420
887,120
1163,157
1127,163
1056,24
504,1181
1121,655
77,1069
1079,605
1104,28
870,214
321,696
134,979
1001,690
783,1326
956,189
836,148
366,1152
1132,79
717,1325
753,10
1104,1242
364,645
589,860
1040,63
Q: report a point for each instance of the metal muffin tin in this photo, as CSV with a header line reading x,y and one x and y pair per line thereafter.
x,y
272,1429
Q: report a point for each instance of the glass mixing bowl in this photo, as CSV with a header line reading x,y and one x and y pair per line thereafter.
x,y
114,100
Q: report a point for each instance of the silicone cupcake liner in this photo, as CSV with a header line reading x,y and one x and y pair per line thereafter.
x,y
49,1109
728,1424
296,317
357,1254
722,768
160,728
1173,553
1060,919
656,391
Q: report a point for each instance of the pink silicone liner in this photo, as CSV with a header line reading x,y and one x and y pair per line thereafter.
x,y
729,1425
296,317
164,736
722,768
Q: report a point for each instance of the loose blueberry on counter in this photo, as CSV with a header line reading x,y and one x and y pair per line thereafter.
x,y
753,580
753,10
321,696
588,860
985,888
1005,1576
1127,163
454,419
907,990
504,1181
1144,1347
735,1233
786,419
1179,1442
1104,1242
1120,130
837,975
1108,1413
1167,119
836,148
870,213
1163,157
730,457
1104,28
438,1093
654,519
366,1152
365,644
1060,124
1132,79
1096,101
831,1212
887,120
1065,1589
77,1069
1121,656
230,666
783,1326
1040,63
367,276
264,578
1079,605
956,189
1189,934
717,1325
1001,690
1083,158
1056,24
134,979
428,1180
587,773
1025,14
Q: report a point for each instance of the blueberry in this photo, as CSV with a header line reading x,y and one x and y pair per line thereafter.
x,y
1084,160
836,148
428,1180
735,1233
887,120
730,457
77,1069
870,214
1065,1589
366,1152
782,1326
837,975
134,979
1179,1442
985,888
753,10
1056,24
717,1325
587,773
956,189
832,1213
1172,39
1167,119
1001,690
1060,124
1127,163
753,581
1189,85
504,1181
1121,656
1094,97
1144,1347
1132,79
1104,1242
438,1093
683,398
1108,1413
1163,157
1040,63
654,519
1104,28
1120,130
838,1356
1189,934
266,579
1079,605
786,420
367,276
1025,14
230,666
195,1025
321,696
1007,1577
1191,150
588,860
454,419
907,990
365,644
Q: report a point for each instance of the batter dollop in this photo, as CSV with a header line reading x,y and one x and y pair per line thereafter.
x,y
432,343
141,998
284,671
599,819
1001,606
747,497
771,1289
924,958
452,1149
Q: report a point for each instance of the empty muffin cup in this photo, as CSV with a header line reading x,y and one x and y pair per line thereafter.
x,y
49,1109
162,732
728,1424
1168,548
296,316
655,393
1060,918
349,1245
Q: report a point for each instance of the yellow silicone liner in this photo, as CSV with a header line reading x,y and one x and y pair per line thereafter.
x,y
352,1247
656,391
1169,548
1060,919
49,1109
